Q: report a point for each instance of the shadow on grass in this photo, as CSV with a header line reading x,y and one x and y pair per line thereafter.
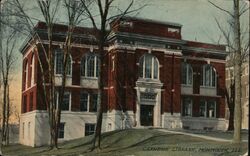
x,y
141,142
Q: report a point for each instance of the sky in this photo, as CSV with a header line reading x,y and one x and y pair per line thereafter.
x,y
196,16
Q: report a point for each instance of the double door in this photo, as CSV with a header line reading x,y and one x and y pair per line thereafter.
x,y
146,115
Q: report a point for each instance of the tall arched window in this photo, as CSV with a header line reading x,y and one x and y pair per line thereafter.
x,y
26,75
90,65
209,76
32,70
149,67
59,63
186,74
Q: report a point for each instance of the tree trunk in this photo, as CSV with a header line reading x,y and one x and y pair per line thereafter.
x,y
4,123
237,74
230,100
51,90
97,135
0,86
7,115
62,87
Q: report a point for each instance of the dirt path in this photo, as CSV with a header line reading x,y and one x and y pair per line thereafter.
x,y
199,136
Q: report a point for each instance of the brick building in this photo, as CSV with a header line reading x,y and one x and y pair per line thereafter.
x,y
153,78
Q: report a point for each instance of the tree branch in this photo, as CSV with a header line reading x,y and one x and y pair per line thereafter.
x,y
221,8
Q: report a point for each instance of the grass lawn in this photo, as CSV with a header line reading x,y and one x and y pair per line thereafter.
x,y
218,134
136,142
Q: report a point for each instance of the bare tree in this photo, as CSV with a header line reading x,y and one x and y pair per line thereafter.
x,y
48,9
74,14
238,50
7,59
104,15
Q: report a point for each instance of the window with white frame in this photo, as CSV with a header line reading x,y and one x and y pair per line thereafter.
x,y
209,76
211,108
89,129
90,65
65,106
187,106
88,102
186,74
84,99
66,101
61,130
33,70
94,102
59,63
149,67
26,74
202,110
207,108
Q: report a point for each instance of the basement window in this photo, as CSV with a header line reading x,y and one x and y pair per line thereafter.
x,y
61,131
89,129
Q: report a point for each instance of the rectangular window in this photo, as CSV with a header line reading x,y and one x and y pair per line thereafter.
x,y
94,100
61,130
208,108
202,110
88,102
84,102
89,129
211,109
187,107
66,100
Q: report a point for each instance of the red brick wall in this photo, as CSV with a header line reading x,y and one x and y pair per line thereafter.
x,y
119,84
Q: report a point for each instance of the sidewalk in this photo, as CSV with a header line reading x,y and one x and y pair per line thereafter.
x,y
198,136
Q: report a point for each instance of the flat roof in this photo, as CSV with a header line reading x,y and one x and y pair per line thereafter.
x,y
152,21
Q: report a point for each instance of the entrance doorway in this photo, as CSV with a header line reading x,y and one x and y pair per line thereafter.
x,y
146,115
